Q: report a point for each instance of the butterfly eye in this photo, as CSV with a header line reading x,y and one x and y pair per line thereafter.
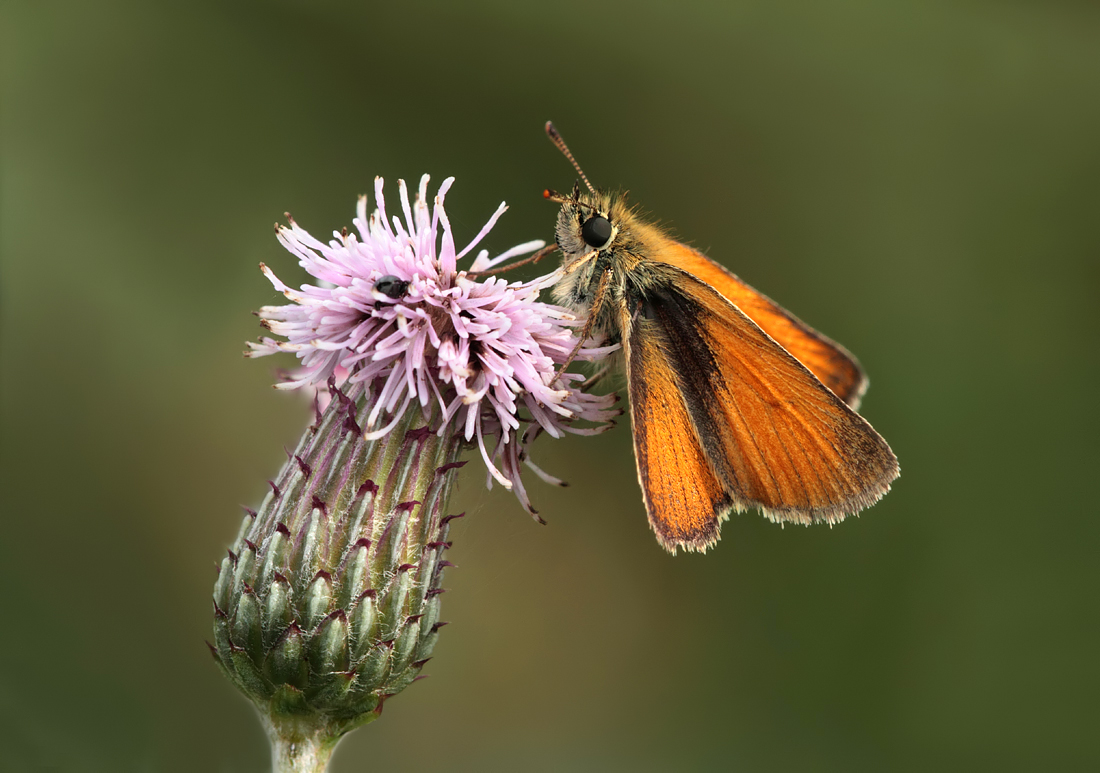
x,y
391,286
596,231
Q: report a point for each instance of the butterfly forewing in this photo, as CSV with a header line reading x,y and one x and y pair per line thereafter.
x,y
833,365
772,434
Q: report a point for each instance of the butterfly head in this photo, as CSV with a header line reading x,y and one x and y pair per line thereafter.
x,y
587,222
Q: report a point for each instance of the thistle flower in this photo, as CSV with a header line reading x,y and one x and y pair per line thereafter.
x,y
393,307
328,602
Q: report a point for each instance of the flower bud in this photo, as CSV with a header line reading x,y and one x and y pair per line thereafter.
x,y
328,602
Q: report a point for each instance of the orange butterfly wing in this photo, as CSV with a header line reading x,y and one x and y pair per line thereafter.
x,y
709,389
829,361
684,499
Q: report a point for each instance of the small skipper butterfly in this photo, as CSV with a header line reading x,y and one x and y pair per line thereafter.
x,y
734,402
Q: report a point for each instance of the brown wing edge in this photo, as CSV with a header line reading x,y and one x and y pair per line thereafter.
x,y
870,451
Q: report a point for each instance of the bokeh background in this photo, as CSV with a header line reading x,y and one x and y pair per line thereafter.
x,y
919,180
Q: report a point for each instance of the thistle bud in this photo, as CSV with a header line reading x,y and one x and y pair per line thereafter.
x,y
328,601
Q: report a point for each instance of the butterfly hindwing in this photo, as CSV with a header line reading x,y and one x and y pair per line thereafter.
x,y
772,435
684,499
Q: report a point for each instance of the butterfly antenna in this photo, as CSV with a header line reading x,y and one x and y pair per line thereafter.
x,y
552,133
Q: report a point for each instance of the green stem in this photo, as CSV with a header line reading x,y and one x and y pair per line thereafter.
x,y
299,747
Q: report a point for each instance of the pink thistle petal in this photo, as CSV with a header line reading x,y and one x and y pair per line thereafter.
x,y
375,434
481,262
485,229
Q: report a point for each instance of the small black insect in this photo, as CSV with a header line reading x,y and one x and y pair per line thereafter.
x,y
391,286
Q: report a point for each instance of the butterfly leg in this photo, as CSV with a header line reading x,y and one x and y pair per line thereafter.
x,y
599,374
516,264
593,314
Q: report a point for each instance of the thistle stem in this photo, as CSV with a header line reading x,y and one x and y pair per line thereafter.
x,y
299,747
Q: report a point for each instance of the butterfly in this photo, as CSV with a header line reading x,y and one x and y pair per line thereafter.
x,y
735,403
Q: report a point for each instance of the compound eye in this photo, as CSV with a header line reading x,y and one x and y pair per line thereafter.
x,y
391,286
596,231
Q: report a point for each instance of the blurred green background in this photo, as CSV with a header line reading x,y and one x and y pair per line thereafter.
x,y
919,180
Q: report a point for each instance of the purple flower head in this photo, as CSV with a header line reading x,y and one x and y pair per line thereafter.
x,y
391,308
